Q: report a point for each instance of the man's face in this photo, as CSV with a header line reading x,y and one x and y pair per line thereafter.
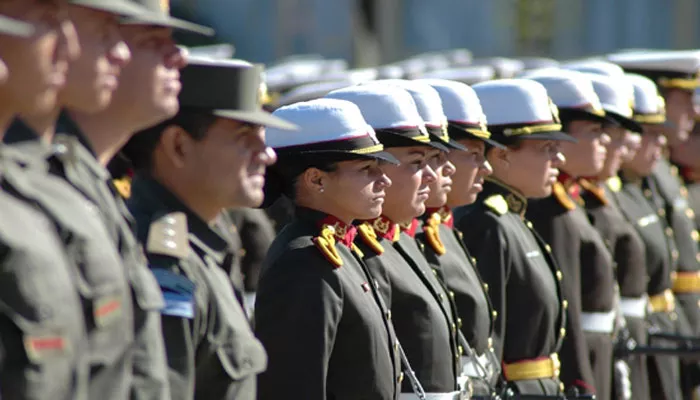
x,y
38,65
93,77
410,188
617,151
228,164
680,112
471,169
442,186
587,156
649,153
150,83
532,168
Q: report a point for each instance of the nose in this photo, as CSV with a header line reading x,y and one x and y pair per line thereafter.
x,y
4,72
661,140
176,57
268,156
486,168
605,139
119,54
384,181
429,175
558,160
448,169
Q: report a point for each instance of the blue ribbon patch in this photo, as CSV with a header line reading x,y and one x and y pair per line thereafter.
x,y
178,292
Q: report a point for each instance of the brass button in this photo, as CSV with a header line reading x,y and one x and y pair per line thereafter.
x,y
388,315
396,346
562,332
689,213
560,276
422,246
474,260
565,304
440,296
459,322
454,328
461,350
548,248
668,231
435,272
494,314
490,342
647,193
528,224
452,294
661,212
486,287
673,315
400,377
695,236
674,254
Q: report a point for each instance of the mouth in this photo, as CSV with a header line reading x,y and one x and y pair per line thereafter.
x,y
424,194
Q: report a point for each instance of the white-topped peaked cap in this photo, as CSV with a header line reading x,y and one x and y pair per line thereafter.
x,y
469,74
505,67
572,92
519,108
326,126
649,106
429,107
466,118
599,67
668,69
538,62
311,91
388,109
617,98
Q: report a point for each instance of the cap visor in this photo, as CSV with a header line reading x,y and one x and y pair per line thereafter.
x,y
256,117
13,27
168,22
492,142
439,143
118,7
453,144
556,135
626,123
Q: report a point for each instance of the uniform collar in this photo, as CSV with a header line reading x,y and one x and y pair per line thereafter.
x,y
517,203
150,194
410,228
570,184
67,126
342,232
19,132
596,188
385,228
445,214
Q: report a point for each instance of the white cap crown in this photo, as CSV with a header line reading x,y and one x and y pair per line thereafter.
x,y
459,101
515,102
427,100
569,89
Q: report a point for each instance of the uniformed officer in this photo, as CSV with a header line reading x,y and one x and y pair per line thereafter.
x,y
420,306
209,157
337,339
628,191
512,259
686,158
444,248
676,75
616,96
576,245
42,330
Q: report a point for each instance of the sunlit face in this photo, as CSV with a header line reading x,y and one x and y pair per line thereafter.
x,y
649,153
587,156
680,113
150,83
227,166
355,190
93,77
532,168
410,189
444,170
688,155
617,151
471,169
38,65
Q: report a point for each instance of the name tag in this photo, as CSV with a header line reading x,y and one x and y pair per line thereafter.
x,y
648,220
533,254
680,203
178,293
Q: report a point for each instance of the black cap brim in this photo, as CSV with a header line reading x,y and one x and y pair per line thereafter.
x,y
491,142
168,22
13,27
118,7
576,114
554,135
626,123
260,117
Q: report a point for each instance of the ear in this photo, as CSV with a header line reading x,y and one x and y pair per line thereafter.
x,y
313,179
175,145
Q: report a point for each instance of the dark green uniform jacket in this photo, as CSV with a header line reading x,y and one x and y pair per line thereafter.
x,y
664,372
100,275
420,308
627,248
448,257
590,283
524,281
212,352
319,316
42,330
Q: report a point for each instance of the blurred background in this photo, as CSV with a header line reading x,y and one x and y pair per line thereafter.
x,y
376,32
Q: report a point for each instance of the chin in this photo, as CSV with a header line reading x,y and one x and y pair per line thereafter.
x,y
418,210
370,213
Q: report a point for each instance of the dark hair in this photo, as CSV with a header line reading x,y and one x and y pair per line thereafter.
x,y
139,149
281,178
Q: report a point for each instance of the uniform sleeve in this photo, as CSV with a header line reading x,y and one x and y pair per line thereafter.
x,y
257,233
297,312
487,243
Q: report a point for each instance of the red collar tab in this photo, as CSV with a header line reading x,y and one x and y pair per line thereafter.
x,y
595,188
410,228
570,184
342,232
385,228
445,214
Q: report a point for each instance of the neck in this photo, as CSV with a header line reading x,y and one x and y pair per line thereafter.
x,y
44,125
199,205
397,218
107,132
5,121
314,204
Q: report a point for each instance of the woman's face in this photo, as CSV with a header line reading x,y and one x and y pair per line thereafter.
x,y
649,153
471,169
531,168
617,151
411,180
355,190
587,156
444,169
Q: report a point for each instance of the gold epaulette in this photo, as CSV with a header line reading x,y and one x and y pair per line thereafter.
x,y
562,196
497,204
123,186
326,243
432,234
369,237
595,190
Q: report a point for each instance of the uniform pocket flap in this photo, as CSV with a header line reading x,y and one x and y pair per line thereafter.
x,y
146,290
242,359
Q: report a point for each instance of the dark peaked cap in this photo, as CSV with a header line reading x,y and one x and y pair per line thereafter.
x,y
228,89
159,15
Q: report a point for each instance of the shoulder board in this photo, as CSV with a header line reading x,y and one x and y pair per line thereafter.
x,y
432,234
615,184
167,236
497,204
178,293
595,190
325,242
562,197
369,237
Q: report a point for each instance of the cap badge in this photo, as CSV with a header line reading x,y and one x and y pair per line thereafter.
x,y
165,6
555,111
